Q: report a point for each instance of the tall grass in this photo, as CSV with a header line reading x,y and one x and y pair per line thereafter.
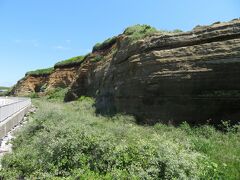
x,y
71,141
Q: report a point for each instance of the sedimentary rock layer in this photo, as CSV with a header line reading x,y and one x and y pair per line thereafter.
x,y
60,77
192,76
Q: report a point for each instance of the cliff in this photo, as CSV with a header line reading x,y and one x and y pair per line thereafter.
x,y
190,76
42,80
156,76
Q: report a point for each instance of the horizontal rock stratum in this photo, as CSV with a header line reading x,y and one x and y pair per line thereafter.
x,y
166,77
192,76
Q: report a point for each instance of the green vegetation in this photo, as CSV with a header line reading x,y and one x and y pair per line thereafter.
x,y
97,58
104,45
138,31
4,88
134,33
70,62
69,140
40,72
33,95
56,94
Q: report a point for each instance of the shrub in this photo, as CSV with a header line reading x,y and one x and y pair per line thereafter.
x,y
177,31
97,58
56,94
71,141
4,91
33,95
138,31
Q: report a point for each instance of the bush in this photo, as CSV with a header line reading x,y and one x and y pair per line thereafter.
x,y
97,58
56,94
139,31
4,91
33,95
71,141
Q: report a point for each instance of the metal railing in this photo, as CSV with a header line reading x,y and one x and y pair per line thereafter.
x,y
11,105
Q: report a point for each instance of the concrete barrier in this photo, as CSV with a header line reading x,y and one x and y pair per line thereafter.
x,y
12,112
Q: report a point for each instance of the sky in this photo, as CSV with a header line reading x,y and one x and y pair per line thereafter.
x,y
38,33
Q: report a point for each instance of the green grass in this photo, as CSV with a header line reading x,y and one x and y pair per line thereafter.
x,y
69,140
53,95
138,32
106,44
97,58
56,94
40,72
134,33
70,62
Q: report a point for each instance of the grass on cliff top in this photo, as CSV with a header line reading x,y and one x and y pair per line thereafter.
x,y
72,61
105,44
134,33
138,31
40,72
69,140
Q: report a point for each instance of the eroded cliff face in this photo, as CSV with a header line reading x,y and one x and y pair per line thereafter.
x,y
29,84
60,77
192,76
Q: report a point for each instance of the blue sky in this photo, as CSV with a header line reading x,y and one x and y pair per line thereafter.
x,y
38,33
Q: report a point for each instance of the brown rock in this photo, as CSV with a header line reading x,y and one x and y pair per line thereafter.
x,y
60,77
192,76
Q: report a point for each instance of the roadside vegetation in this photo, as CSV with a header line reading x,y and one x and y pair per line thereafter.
x,y
68,140
4,90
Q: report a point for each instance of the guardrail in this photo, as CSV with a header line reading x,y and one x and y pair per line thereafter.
x,y
10,105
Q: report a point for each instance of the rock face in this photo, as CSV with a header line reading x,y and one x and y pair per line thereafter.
x,y
60,77
192,76
29,84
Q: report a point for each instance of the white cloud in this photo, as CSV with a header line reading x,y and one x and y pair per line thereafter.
x,y
60,47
